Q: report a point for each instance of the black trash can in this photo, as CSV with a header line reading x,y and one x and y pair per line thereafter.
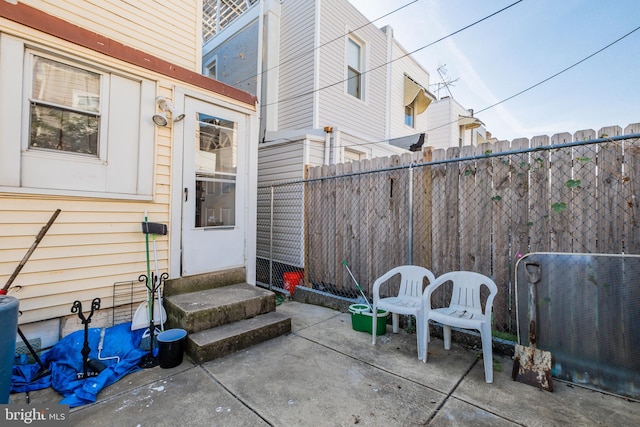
x,y
9,327
171,344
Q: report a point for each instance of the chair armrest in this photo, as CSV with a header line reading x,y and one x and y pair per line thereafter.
x,y
380,281
431,287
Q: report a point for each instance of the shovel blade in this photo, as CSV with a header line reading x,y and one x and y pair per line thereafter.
x,y
532,366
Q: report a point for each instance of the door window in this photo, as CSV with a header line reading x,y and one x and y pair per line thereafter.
x,y
216,170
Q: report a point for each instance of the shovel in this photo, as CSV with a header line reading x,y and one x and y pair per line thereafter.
x,y
531,365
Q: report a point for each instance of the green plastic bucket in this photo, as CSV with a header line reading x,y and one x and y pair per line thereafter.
x,y
362,319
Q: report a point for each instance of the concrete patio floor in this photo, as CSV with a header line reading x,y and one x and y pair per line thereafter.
x,y
326,374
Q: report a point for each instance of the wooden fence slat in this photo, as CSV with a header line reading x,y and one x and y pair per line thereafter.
x,y
609,183
467,208
632,197
502,267
422,220
584,208
451,201
484,184
481,215
539,196
561,194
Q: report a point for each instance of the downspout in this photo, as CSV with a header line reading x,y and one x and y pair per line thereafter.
x,y
328,130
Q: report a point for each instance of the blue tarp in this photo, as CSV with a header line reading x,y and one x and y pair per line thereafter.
x,y
64,360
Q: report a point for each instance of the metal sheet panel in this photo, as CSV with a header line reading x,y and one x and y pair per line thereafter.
x,y
588,311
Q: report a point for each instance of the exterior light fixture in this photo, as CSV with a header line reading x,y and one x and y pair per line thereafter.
x,y
160,119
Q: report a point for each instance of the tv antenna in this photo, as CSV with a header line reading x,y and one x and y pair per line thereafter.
x,y
445,82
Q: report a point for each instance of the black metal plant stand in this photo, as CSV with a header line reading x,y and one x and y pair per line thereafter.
x,y
96,367
153,285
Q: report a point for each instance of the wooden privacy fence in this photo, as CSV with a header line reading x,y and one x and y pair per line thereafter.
x,y
472,208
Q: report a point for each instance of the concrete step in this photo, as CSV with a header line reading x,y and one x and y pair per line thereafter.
x,y
201,282
218,342
201,310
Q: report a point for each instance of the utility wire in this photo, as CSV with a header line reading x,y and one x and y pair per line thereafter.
x,y
400,57
522,91
560,72
329,42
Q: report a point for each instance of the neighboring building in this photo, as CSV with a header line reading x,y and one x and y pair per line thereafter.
x,y
332,87
79,82
449,124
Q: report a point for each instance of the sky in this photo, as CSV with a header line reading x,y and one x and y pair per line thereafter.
x,y
520,47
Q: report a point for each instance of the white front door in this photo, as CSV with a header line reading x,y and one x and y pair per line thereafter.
x,y
214,188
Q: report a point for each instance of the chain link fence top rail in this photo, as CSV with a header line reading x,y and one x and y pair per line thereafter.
x,y
471,208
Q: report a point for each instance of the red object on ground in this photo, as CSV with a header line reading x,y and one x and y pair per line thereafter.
x,y
292,279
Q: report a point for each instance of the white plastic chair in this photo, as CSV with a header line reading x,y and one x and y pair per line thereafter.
x,y
408,301
465,311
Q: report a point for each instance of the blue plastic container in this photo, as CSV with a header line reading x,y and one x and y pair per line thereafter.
x,y
9,327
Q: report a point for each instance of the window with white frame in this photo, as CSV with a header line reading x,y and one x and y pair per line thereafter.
x,y
84,127
64,107
212,69
354,68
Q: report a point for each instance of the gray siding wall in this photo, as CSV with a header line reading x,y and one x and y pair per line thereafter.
x,y
297,68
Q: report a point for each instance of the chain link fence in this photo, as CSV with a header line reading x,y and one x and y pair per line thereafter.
x,y
568,208
475,208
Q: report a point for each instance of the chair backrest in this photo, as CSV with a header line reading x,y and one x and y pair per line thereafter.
x,y
411,279
465,295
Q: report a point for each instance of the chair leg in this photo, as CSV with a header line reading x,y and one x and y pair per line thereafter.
x,y
487,352
395,321
425,338
374,324
446,333
420,336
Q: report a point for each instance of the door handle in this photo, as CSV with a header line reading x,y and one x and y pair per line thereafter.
x,y
186,194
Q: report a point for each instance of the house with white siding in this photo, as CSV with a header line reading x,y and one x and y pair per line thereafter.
x,y
331,84
449,124
332,88
105,115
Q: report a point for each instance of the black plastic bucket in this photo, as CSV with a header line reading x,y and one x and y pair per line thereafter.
x,y
171,345
9,327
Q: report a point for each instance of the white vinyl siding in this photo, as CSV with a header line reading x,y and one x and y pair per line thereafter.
x,y
126,141
166,29
285,162
443,125
402,65
281,162
96,241
297,65
335,106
